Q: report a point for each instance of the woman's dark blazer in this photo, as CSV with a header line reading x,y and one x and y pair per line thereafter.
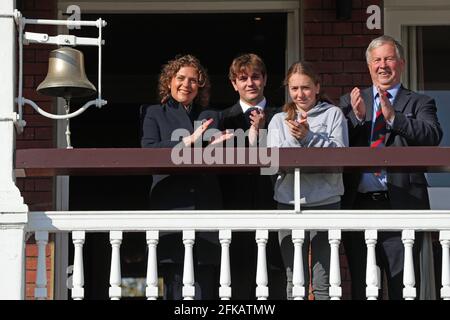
x,y
183,191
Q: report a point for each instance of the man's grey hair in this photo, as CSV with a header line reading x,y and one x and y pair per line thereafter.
x,y
378,42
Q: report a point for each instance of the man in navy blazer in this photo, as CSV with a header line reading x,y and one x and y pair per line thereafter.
x,y
406,118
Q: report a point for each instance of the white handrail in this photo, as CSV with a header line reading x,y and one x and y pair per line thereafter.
x,y
388,220
334,221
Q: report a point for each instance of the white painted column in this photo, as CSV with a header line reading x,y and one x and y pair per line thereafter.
x,y
262,290
444,238
298,277
293,291
372,276
334,238
188,268
409,281
225,271
78,238
151,291
13,212
40,292
115,277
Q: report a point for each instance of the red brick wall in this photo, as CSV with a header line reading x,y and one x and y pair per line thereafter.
x,y
39,131
337,49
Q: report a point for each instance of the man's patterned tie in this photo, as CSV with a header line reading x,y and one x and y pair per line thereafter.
x,y
379,130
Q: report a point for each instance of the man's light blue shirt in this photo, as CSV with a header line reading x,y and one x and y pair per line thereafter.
x,y
369,181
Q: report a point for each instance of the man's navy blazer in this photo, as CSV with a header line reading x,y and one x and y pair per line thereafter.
x,y
415,124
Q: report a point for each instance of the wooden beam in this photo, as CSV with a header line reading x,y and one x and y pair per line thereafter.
x,y
136,161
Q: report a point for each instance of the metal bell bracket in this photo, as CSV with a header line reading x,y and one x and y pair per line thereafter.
x,y
66,40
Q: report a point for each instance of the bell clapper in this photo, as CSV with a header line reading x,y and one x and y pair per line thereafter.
x,y
67,107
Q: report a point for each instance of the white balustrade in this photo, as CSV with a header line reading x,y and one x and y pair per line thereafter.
x,y
262,290
334,238
298,276
225,271
78,238
188,269
100,221
444,238
372,276
151,291
115,278
409,281
40,292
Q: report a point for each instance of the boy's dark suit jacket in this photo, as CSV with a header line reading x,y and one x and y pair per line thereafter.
x,y
246,191
250,192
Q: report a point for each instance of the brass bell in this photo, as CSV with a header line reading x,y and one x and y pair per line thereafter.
x,y
66,76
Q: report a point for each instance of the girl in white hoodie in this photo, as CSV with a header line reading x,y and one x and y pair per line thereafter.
x,y
309,120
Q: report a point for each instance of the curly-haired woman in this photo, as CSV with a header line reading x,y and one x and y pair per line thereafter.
x,y
184,95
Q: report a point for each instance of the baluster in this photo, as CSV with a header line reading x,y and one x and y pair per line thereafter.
x,y
298,277
409,281
371,266
225,272
188,269
444,238
40,292
151,291
78,238
262,291
115,278
334,238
